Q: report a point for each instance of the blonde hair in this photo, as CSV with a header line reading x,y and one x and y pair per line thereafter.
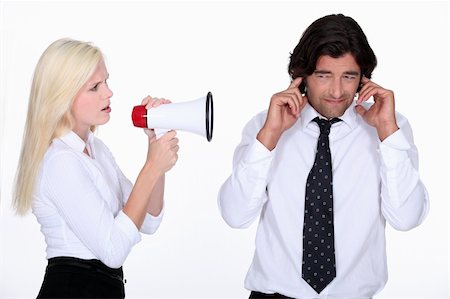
x,y
64,67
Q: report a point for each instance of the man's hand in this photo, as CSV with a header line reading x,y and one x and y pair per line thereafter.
x,y
284,110
381,114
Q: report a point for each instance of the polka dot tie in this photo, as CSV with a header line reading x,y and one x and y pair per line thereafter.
x,y
318,264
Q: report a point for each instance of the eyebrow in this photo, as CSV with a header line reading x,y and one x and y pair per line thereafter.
x,y
321,72
93,83
352,73
324,72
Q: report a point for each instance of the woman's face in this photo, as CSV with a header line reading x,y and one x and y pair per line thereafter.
x,y
91,105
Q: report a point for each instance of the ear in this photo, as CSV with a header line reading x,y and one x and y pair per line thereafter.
x,y
303,86
360,85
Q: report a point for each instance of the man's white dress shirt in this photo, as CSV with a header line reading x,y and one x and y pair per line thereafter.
x,y
78,202
373,182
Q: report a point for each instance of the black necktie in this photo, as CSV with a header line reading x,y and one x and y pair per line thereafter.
x,y
318,265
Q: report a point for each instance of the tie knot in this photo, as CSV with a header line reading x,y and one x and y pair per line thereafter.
x,y
325,124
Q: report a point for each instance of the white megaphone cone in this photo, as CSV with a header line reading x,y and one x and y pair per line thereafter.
x,y
195,116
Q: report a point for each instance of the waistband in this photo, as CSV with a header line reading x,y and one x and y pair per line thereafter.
x,y
91,265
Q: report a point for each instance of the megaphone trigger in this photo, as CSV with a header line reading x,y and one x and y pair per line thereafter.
x,y
160,132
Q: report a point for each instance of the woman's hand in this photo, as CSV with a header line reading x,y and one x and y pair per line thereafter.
x,y
163,152
149,103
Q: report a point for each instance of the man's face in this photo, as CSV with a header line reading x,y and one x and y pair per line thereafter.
x,y
332,86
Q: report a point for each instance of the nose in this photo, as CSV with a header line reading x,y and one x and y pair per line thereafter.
x,y
336,88
108,92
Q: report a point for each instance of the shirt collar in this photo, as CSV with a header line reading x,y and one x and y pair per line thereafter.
x,y
74,141
350,117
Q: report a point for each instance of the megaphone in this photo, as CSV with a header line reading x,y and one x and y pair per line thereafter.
x,y
195,116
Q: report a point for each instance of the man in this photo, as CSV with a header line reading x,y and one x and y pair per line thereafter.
x,y
325,170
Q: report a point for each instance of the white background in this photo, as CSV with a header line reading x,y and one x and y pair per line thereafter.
x,y
239,51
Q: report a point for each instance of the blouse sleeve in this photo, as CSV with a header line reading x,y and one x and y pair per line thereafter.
x,y
151,223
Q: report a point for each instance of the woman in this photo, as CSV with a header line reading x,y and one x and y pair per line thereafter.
x,y
89,212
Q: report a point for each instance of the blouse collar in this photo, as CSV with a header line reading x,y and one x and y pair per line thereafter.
x,y
74,141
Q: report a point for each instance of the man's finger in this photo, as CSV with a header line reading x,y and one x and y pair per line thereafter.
x,y
360,110
364,80
296,82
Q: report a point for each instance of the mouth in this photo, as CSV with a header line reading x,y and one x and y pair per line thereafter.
x,y
335,101
107,109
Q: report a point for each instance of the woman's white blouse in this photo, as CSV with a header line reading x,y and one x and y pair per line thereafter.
x,y
78,201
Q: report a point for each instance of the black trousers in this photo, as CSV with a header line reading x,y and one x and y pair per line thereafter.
x,y
259,295
68,277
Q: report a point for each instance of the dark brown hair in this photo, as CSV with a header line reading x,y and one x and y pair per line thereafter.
x,y
333,35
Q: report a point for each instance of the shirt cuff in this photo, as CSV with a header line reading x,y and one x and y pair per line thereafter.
x,y
254,170
257,152
128,227
151,223
394,149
